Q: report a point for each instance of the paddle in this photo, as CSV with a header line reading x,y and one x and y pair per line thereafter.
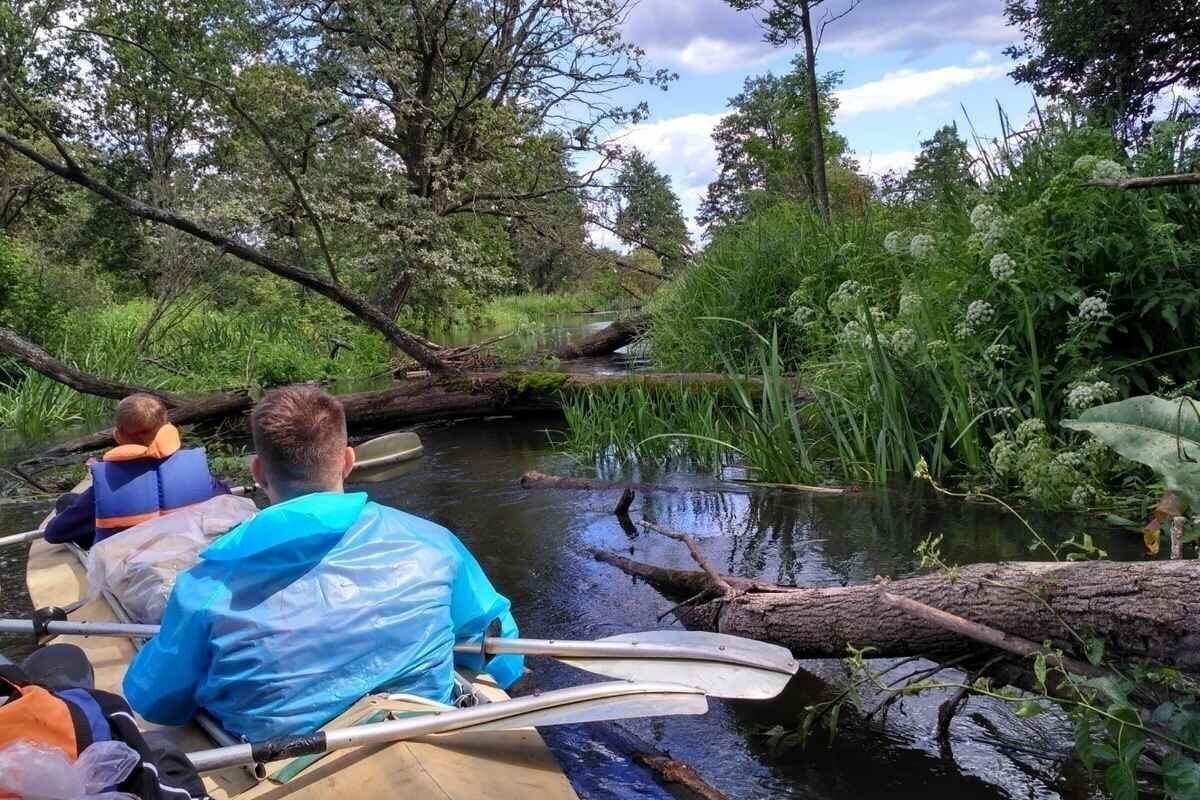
x,y
717,664
388,450
18,538
591,703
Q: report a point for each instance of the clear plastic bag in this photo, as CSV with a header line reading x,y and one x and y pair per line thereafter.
x,y
35,771
140,565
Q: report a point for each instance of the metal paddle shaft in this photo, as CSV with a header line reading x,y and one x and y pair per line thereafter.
x,y
18,538
123,629
719,664
592,703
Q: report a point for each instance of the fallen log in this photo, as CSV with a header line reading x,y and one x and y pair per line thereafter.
x,y
462,395
608,340
540,480
216,407
1139,610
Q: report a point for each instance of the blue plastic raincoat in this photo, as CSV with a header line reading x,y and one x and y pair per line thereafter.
x,y
297,613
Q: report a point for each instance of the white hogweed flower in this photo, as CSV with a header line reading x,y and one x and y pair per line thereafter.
x,y
994,233
979,314
891,242
1106,170
983,215
1003,267
910,304
904,340
920,246
1094,309
1081,496
1086,395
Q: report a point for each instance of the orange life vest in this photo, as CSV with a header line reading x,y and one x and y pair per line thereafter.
x,y
38,716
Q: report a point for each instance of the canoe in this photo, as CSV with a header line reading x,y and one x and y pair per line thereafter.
x,y
496,765
383,458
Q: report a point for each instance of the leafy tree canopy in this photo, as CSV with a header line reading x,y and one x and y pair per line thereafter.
x,y
1112,56
650,216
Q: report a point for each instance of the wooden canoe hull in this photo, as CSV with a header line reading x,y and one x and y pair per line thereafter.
x,y
504,765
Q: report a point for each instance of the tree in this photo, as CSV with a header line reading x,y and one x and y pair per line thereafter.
x,y
1112,56
764,147
649,216
347,147
789,21
941,172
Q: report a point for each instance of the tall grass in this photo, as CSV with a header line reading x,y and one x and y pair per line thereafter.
x,y
627,424
208,350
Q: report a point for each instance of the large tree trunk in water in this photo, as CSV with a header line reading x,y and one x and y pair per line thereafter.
x,y
1140,610
607,340
814,113
35,357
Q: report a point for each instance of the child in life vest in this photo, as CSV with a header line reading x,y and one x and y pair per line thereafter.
x,y
144,477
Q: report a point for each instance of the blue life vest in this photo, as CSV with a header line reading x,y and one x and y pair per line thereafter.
x,y
135,491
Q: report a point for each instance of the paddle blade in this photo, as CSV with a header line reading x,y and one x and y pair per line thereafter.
x,y
661,704
718,664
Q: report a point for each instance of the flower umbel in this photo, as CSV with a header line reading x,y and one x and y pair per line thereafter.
x,y
1086,395
1106,170
1003,267
979,314
891,242
921,246
1094,309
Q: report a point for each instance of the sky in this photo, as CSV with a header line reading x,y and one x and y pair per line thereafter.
x,y
910,66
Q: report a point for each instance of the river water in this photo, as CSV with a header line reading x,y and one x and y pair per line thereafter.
x,y
533,544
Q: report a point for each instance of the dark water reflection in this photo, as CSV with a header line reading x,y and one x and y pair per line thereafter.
x,y
532,543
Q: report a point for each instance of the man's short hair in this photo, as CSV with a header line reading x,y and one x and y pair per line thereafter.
x,y
300,434
139,417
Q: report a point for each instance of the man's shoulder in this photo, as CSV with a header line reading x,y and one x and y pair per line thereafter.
x,y
403,523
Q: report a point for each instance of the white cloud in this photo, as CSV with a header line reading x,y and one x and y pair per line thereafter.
x,y
707,55
892,161
682,147
907,87
709,36
980,57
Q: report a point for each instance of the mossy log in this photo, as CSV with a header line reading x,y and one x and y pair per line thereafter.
x,y
1139,610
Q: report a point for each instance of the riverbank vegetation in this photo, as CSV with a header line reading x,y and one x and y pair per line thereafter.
x,y
959,331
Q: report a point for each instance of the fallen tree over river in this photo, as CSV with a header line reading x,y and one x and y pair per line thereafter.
x,y
446,396
1138,610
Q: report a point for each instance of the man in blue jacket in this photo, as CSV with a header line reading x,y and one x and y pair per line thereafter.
x,y
318,600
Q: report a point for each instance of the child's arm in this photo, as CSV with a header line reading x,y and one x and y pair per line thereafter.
x,y
76,523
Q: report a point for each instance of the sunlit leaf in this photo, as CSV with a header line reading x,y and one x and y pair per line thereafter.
x,y
1162,434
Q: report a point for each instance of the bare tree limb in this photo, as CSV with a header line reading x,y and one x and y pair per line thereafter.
x,y
714,576
1152,182
38,359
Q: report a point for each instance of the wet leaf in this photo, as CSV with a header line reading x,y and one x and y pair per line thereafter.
x,y
1162,434
1121,782
1181,776
1030,708
1039,669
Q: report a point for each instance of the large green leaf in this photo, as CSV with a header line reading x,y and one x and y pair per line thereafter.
x,y
1162,434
